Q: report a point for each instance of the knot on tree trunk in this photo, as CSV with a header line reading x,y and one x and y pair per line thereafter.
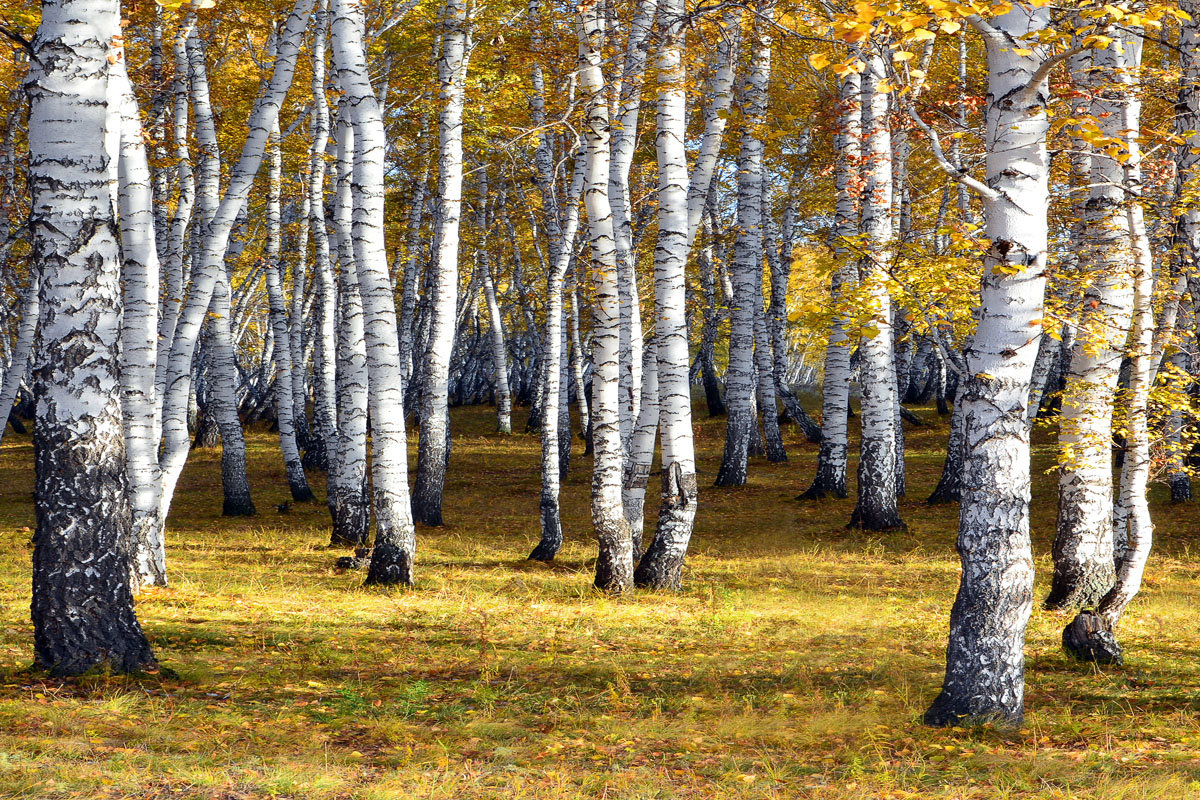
x,y
1090,638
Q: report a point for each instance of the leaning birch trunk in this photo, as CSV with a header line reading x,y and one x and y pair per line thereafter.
x,y
662,565
394,555
349,504
139,336
985,659
212,251
82,607
495,318
1083,543
177,247
877,508
433,450
556,396
833,453
285,406
747,258
220,367
1092,635
614,567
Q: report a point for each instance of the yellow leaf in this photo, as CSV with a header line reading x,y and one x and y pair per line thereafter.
x,y
818,60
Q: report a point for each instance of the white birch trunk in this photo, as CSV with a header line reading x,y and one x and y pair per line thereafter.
x,y
433,453
349,504
747,258
214,246
624,138
325,421
139,335
277,310
985,660
877,508
835,389
394,554
614,568
82,607
495,317
1083,544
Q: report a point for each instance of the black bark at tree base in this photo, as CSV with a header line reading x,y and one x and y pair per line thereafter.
x,y
1089,638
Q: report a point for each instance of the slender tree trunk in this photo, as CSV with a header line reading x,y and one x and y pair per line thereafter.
x,y
553,470
349,503
835,390
394,555
747,259
495,318
324,441
82,606
1092,635
285,406
1083,544
433,451
662,565
18,364
623,138
614,567
877,508
139,334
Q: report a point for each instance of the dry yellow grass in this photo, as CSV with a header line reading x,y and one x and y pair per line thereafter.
x,y
795,663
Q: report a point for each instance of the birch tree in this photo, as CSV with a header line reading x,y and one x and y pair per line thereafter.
x,y
614,568
394,554
985,660
433,452
747,257
82,605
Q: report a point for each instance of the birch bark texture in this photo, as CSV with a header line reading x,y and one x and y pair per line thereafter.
x,y
877,507
834,449
82,605
985,659
614,567
1083,542
394,554
747,257
662,565
433,449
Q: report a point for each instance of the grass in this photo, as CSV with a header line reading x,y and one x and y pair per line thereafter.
x,y
795,663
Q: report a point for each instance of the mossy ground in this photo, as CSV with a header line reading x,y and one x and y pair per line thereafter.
x,y
796,662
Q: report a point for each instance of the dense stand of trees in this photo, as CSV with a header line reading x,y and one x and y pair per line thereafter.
x,y
215,216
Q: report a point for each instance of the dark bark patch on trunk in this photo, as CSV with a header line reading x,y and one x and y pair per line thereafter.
x,y
1090,638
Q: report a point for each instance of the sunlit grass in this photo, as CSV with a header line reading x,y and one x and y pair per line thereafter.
x,y
795,663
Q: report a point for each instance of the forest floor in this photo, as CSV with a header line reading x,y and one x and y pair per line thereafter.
x,y
796,662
